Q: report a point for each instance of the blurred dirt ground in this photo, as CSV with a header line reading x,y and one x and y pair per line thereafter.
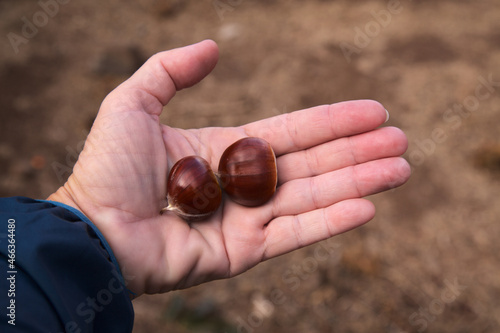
x,y
428,262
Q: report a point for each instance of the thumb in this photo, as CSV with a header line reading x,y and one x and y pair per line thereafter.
x,y
156,82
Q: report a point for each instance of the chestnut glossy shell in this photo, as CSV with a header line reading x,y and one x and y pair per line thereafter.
x,y
247,171
192,189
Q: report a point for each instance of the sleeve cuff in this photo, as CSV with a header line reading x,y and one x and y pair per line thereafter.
x,y
98,233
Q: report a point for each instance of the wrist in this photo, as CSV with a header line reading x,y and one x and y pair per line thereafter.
x,y
63,195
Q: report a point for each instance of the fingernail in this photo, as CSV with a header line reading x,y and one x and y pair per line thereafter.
x,y
387,115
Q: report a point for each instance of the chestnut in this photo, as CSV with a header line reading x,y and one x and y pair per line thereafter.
x,y
193,192
247,171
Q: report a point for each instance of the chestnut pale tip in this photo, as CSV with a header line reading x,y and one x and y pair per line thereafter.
x,y
193,191
185,216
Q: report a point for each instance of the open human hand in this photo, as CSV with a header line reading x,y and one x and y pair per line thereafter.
x,y
328,158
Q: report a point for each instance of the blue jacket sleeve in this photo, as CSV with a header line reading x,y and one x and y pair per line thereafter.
x,y
58,273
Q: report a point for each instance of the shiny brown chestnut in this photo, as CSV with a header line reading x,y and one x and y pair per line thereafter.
x,y
247,171
193,192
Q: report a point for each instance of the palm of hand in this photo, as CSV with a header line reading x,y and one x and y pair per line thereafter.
x,y
133,154
328,157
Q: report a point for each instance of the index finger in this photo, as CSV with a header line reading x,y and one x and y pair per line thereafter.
x,y
310,127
